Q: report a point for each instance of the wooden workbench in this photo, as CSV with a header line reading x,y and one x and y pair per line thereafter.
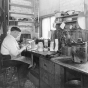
x,y
79,69
55,69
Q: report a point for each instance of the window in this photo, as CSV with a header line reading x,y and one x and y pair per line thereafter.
x,y
47,25
52,21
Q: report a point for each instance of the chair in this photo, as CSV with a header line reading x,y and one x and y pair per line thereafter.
x,y
8,76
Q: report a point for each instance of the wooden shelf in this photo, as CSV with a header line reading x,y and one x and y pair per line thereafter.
x,y
68,22
20,13
21,18
19,5
21,21
71,21
21,26
68,16
76,30
24,26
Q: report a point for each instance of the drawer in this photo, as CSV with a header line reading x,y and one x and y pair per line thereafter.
x,y
51,80
33,79
59,76
47,65
44,76
47,78
43,84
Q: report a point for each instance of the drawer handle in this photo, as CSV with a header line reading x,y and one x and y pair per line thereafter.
x,y
45,65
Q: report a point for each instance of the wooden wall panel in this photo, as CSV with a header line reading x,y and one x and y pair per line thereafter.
x,y
66,5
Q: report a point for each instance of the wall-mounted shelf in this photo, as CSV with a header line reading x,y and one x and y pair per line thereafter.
x,y
67,22
21,21
19,5
25,26
67,19
20,13
68,16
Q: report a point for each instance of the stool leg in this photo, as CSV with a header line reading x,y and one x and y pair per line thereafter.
x,y
4,80
11,78
15,78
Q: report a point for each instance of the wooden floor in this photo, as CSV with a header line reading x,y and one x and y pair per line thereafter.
x,y
8,79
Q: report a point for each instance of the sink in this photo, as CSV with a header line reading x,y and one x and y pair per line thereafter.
x,y
66,60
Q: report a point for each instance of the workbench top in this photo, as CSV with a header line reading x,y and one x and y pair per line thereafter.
x,y
68,63
65,61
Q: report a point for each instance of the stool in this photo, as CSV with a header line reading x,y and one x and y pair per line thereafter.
x,y
73,84
8,76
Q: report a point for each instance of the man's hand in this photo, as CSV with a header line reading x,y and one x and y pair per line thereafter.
x,y
24,47
27,45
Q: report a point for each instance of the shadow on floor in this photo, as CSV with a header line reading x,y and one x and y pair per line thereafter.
x,y
10,79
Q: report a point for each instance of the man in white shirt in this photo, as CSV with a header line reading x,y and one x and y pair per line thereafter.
x,y
9,45
10,50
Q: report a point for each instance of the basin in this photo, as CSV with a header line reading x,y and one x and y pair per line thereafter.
x,y
66,60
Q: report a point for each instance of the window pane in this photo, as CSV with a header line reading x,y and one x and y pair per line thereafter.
x,y
52,23
45,27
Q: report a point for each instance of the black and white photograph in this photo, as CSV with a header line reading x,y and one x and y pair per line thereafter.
x,y
43,43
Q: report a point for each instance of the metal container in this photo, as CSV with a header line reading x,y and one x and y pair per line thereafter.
x,y
79,52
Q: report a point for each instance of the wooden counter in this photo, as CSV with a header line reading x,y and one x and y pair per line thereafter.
x,y
55,69
79,71
42,53
68,63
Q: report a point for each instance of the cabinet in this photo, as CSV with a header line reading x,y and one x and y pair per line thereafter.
x,y
46,73
51,74
59,76
20,13
47,65
44,85
34,70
